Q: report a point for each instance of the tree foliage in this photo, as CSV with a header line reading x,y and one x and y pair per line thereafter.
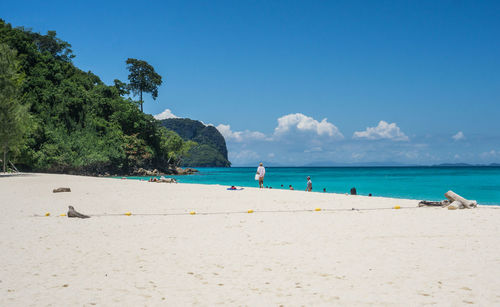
x,y
143,78
13,115
76,122
205,156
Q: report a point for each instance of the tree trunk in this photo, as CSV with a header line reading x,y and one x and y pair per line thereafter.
x,y
141,101
4,158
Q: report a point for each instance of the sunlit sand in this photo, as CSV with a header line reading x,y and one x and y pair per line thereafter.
x,y
185,244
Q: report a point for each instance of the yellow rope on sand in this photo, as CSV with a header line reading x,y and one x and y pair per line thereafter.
x,y
240,212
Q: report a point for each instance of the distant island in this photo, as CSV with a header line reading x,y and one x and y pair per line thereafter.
x,y
465,164
210,149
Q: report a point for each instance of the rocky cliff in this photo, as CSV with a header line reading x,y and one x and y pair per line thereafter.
x,y
211,150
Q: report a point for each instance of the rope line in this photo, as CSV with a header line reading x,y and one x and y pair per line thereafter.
x,y
235,212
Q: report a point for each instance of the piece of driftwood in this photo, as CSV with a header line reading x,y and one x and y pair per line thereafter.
x,y
456,205
13,166
73,213
58,190
452,196
427,203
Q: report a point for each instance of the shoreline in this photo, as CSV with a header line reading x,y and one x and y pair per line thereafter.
x,y
282,253
139,178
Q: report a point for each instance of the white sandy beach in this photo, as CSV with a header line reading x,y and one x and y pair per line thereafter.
x,y
407,257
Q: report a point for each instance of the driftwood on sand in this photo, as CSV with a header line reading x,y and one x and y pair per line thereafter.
x,y
73,213
453,197
453,201
456,205
58,190
428,203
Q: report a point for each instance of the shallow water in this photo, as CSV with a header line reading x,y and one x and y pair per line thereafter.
x,y
430,183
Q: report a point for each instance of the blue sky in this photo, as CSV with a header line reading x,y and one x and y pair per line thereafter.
x,y
403,81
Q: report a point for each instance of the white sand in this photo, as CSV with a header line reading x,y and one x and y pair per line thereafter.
x,y
407,257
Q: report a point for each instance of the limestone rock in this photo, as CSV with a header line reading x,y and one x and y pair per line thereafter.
x,y
186,171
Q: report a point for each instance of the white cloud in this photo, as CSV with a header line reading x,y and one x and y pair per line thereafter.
x,y
243,155
412,155
165,114
459,136
225,130
314,149
207,125
239,136
357,155
285,124
490,154
384,130
305,123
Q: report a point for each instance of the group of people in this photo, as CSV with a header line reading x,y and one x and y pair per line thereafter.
x,y
261,172
162,179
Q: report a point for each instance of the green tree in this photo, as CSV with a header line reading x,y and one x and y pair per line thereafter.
x,y
122,87
12,113
53,45
172,147
143,78
63,119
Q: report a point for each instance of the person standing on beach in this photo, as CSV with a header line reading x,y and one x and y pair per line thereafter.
x,y
309,184
261,171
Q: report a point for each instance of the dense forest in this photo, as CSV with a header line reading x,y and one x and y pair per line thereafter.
x,y
67,120
210,148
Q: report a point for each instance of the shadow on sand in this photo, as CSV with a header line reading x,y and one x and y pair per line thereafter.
x,y
2,175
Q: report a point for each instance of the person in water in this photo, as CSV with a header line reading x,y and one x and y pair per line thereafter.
x,y
261,171
291,188
309,184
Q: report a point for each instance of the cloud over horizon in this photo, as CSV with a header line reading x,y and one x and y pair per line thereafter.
x,y
298,139
383,130
239,136
458,136
305,123
297,122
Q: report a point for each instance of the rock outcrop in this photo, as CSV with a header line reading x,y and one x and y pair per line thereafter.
x,y
210,151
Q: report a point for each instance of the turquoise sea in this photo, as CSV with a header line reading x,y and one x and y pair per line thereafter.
x,y
429,183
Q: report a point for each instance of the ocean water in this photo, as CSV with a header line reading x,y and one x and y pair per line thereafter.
x,y
429,183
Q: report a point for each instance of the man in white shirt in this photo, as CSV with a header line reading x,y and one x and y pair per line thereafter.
x,y
261,171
